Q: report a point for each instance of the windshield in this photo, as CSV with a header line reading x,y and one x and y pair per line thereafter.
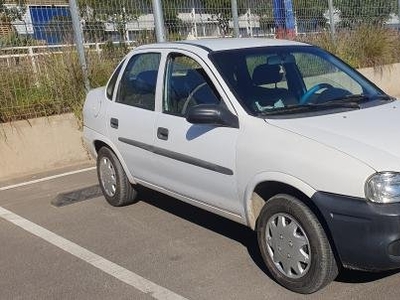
x,y
278,81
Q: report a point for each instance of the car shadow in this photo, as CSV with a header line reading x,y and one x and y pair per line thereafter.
x,y
238,233
213,222
353,276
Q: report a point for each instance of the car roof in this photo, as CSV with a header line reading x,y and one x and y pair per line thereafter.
x,y
219,44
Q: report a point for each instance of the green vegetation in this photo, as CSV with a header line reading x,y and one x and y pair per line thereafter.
x,y
121,12
53,84
15,40
8,14
352,12
356,12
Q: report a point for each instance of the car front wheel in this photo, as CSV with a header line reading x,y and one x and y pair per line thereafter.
x,y
294,245
113,181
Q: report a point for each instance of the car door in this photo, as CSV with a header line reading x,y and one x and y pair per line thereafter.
x,y
131,116
196,161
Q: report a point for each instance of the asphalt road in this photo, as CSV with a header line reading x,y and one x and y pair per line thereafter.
x,y
158,244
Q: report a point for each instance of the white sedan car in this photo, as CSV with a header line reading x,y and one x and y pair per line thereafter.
x,y
280,136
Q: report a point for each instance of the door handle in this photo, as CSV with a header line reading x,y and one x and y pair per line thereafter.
x,y
114,123
162,133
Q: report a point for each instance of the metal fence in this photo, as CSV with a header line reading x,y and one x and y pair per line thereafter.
x,y
50,50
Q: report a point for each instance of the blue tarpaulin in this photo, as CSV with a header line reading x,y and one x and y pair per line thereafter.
x,y
283,15
44,29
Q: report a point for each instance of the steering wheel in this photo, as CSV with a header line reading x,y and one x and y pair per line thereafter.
x,y
307,96
190,97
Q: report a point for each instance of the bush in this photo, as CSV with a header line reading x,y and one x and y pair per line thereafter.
x,y
15,40
366,46
55,85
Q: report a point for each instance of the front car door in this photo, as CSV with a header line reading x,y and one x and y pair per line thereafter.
x,y
197,161
131,116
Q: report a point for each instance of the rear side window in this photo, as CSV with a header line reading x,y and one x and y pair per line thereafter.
x,y
138,83
113,80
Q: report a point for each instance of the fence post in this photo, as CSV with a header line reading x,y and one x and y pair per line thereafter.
x,y
33,61
331,19
158,21
78,33
235,17
34,66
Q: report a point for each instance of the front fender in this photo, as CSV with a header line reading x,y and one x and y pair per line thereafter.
x,y
276,177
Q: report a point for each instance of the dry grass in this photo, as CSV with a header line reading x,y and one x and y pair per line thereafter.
x,y
366,46
56,86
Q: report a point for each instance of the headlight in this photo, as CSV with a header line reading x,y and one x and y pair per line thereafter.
x,y
383,187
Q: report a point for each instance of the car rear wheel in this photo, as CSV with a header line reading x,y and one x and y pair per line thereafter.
x,y
294,245
113,181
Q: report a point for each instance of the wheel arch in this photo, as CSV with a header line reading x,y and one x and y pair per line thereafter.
x,y
266,187
98,144
275,183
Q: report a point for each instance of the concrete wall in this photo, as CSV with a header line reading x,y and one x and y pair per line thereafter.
x,y
40,145
387,78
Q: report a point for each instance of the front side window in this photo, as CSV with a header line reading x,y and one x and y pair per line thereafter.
x,y
292,80
138,83
186,84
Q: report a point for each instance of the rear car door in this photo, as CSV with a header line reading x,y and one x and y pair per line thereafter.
x,y
197,161
131,116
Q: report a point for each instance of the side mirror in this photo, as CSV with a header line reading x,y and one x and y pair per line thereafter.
x,y
212,114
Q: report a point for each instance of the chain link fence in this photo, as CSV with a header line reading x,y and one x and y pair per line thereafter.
x,y
43,74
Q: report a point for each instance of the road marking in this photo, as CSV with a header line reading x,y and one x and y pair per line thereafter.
x,y
45,179
120,273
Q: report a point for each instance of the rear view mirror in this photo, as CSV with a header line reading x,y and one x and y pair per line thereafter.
x,y
281,59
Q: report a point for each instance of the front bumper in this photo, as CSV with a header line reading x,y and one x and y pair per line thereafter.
x,y
366,235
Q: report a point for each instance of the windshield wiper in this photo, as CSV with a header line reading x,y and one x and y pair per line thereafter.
x,y
334,104
293,109
360,98
349,102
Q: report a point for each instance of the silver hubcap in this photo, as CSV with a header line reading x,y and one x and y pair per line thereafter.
x,y
288,246
107,176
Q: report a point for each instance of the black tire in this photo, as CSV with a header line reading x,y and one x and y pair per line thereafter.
x,y
122,192
321,267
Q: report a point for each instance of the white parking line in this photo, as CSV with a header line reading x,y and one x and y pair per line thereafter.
x,y
45,179
122,274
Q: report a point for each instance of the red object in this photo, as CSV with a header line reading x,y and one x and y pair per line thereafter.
x,y
282,33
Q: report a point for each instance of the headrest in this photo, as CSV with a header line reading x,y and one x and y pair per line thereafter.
x,y
267,74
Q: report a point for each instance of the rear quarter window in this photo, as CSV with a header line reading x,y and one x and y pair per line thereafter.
x,y
111,84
